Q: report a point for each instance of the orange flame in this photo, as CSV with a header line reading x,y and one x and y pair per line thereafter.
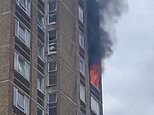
x,y
95,75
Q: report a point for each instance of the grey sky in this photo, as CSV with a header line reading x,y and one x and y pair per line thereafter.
x,y
129,74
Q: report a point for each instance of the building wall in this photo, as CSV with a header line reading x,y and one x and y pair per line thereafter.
x,y
68,73
5,55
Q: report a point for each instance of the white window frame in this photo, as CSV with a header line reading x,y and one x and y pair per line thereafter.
x,y
27,35
43,50
55,67
81,13
49,14
95,106
82,93
26,8
82,67
81,40
40,83
50,45
25,74
16,100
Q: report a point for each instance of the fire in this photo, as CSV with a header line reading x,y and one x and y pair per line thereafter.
x,y
95,75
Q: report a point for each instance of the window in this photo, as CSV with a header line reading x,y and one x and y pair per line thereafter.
x,y
52,66
52,42
52,110
95,106
52,97
25,5
52,78
52,48
52,17
22,66
40,83
52,107
82,93
81,40
21,101
82,66
80,10
51,11
52,35
40,46
41,20
40,111
22,32
52,5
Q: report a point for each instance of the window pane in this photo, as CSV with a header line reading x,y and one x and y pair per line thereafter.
x,y
23,3
39,111
21,65
16,61
52,78
52,35
52,98
27,105
27,70
81,40
52,17
40,20
52,66
27,38
20,101
82,93
95,106
80,14
40,83
22,32
52,5
53,111
52,49
40,50
82,66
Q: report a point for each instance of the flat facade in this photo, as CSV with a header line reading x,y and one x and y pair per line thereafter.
x,y
44,60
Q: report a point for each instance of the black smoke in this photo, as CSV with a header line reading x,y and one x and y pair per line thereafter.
x,y
100,17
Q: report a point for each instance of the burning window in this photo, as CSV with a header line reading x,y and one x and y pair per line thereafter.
x,y
95,73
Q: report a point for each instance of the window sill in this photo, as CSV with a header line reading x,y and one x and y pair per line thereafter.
x,y
28,46
22,75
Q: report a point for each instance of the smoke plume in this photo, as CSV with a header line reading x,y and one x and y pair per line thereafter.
x,y
101,16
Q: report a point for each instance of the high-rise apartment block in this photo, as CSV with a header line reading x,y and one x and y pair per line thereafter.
x,y
45,66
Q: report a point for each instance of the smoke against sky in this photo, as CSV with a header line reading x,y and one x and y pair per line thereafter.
x,y
110,13
129,76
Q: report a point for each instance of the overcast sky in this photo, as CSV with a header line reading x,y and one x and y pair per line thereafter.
x,y
129,74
